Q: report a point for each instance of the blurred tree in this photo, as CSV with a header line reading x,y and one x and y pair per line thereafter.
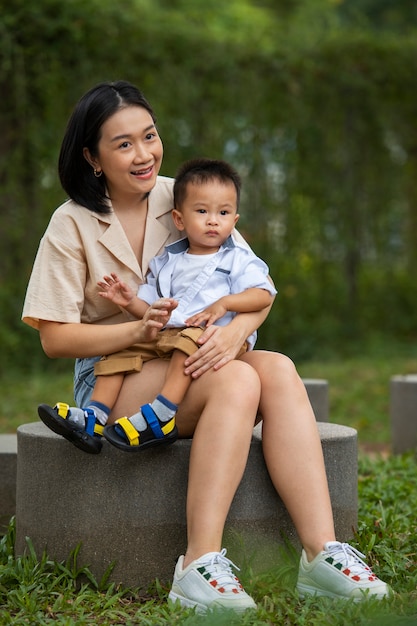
x,y
392,15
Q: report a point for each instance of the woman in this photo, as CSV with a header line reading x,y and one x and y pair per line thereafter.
x,y
117,219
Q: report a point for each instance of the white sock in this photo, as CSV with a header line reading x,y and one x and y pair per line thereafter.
x,y
163,409
77,415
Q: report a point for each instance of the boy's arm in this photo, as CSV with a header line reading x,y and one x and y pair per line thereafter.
x,y
250,300
137,307
114,289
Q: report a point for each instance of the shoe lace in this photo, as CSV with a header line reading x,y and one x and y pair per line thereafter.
x,y
219,566
349,556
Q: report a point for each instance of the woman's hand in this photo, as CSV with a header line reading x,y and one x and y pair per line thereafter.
x,y
219,345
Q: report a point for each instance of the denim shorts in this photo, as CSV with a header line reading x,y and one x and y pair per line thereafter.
x,y
84,380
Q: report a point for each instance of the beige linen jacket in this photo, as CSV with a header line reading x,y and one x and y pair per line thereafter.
x,y
79,247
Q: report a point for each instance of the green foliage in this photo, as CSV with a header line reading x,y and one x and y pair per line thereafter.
x,y
312,100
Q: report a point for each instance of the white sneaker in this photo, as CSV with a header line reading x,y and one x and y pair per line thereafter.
x,y
339,572
209,582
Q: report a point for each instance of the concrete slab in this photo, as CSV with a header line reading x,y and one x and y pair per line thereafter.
x,y
8,469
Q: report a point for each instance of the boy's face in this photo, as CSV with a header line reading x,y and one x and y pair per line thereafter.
x,y
208,215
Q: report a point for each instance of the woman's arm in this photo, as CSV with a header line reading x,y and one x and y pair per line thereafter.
x,y
67,340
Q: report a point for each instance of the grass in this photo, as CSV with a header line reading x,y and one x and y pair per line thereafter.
x,y
36,591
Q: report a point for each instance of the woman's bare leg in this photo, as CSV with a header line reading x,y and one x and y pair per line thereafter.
x,y
219,452
292,449
220,409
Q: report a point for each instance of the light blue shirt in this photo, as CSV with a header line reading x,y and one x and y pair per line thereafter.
x,y
233,269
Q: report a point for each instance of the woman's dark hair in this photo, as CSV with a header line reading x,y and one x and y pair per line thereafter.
x,y
84,131
201,171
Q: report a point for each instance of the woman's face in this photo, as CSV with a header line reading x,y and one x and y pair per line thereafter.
x,y
129,152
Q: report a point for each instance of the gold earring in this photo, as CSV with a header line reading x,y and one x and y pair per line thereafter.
x,y
97,174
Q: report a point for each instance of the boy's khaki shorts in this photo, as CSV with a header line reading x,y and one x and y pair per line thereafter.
x,y
132,359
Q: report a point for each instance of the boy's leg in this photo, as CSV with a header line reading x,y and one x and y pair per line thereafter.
x,y
106,391
154,423
165,405
176,382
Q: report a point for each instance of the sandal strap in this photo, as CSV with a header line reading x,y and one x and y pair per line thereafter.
x,y
152,420
62,409
91,426
169,426
129,430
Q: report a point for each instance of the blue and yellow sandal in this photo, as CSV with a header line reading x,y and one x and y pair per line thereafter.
x,y
124,435
56,418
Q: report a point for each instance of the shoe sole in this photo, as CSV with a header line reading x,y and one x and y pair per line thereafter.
x,y
79,438
202,608
306,590
111,435
186,603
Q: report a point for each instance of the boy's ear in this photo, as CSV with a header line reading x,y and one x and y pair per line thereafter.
x,y
177,217
236,218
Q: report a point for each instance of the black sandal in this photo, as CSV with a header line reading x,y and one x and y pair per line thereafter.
x,y
124,435
87,439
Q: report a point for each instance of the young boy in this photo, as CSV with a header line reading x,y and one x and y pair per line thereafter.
x,y
205,278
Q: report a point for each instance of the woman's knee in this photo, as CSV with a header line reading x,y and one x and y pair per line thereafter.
x,y
240,380
265,362
236,383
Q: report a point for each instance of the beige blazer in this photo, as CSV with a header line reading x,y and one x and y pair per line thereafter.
x,y
79,247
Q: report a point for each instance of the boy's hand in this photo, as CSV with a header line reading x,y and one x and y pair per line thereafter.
x,y
207,317
156,316
162,309
112,288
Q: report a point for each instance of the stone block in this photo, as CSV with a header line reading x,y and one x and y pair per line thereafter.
x,y
8,468
318,394
130,509
403,413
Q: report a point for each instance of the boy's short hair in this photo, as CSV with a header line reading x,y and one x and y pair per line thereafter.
x,y
200,171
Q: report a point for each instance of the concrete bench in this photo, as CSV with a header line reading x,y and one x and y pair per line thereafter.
x,y
403,413
317,390
130,509
8,468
